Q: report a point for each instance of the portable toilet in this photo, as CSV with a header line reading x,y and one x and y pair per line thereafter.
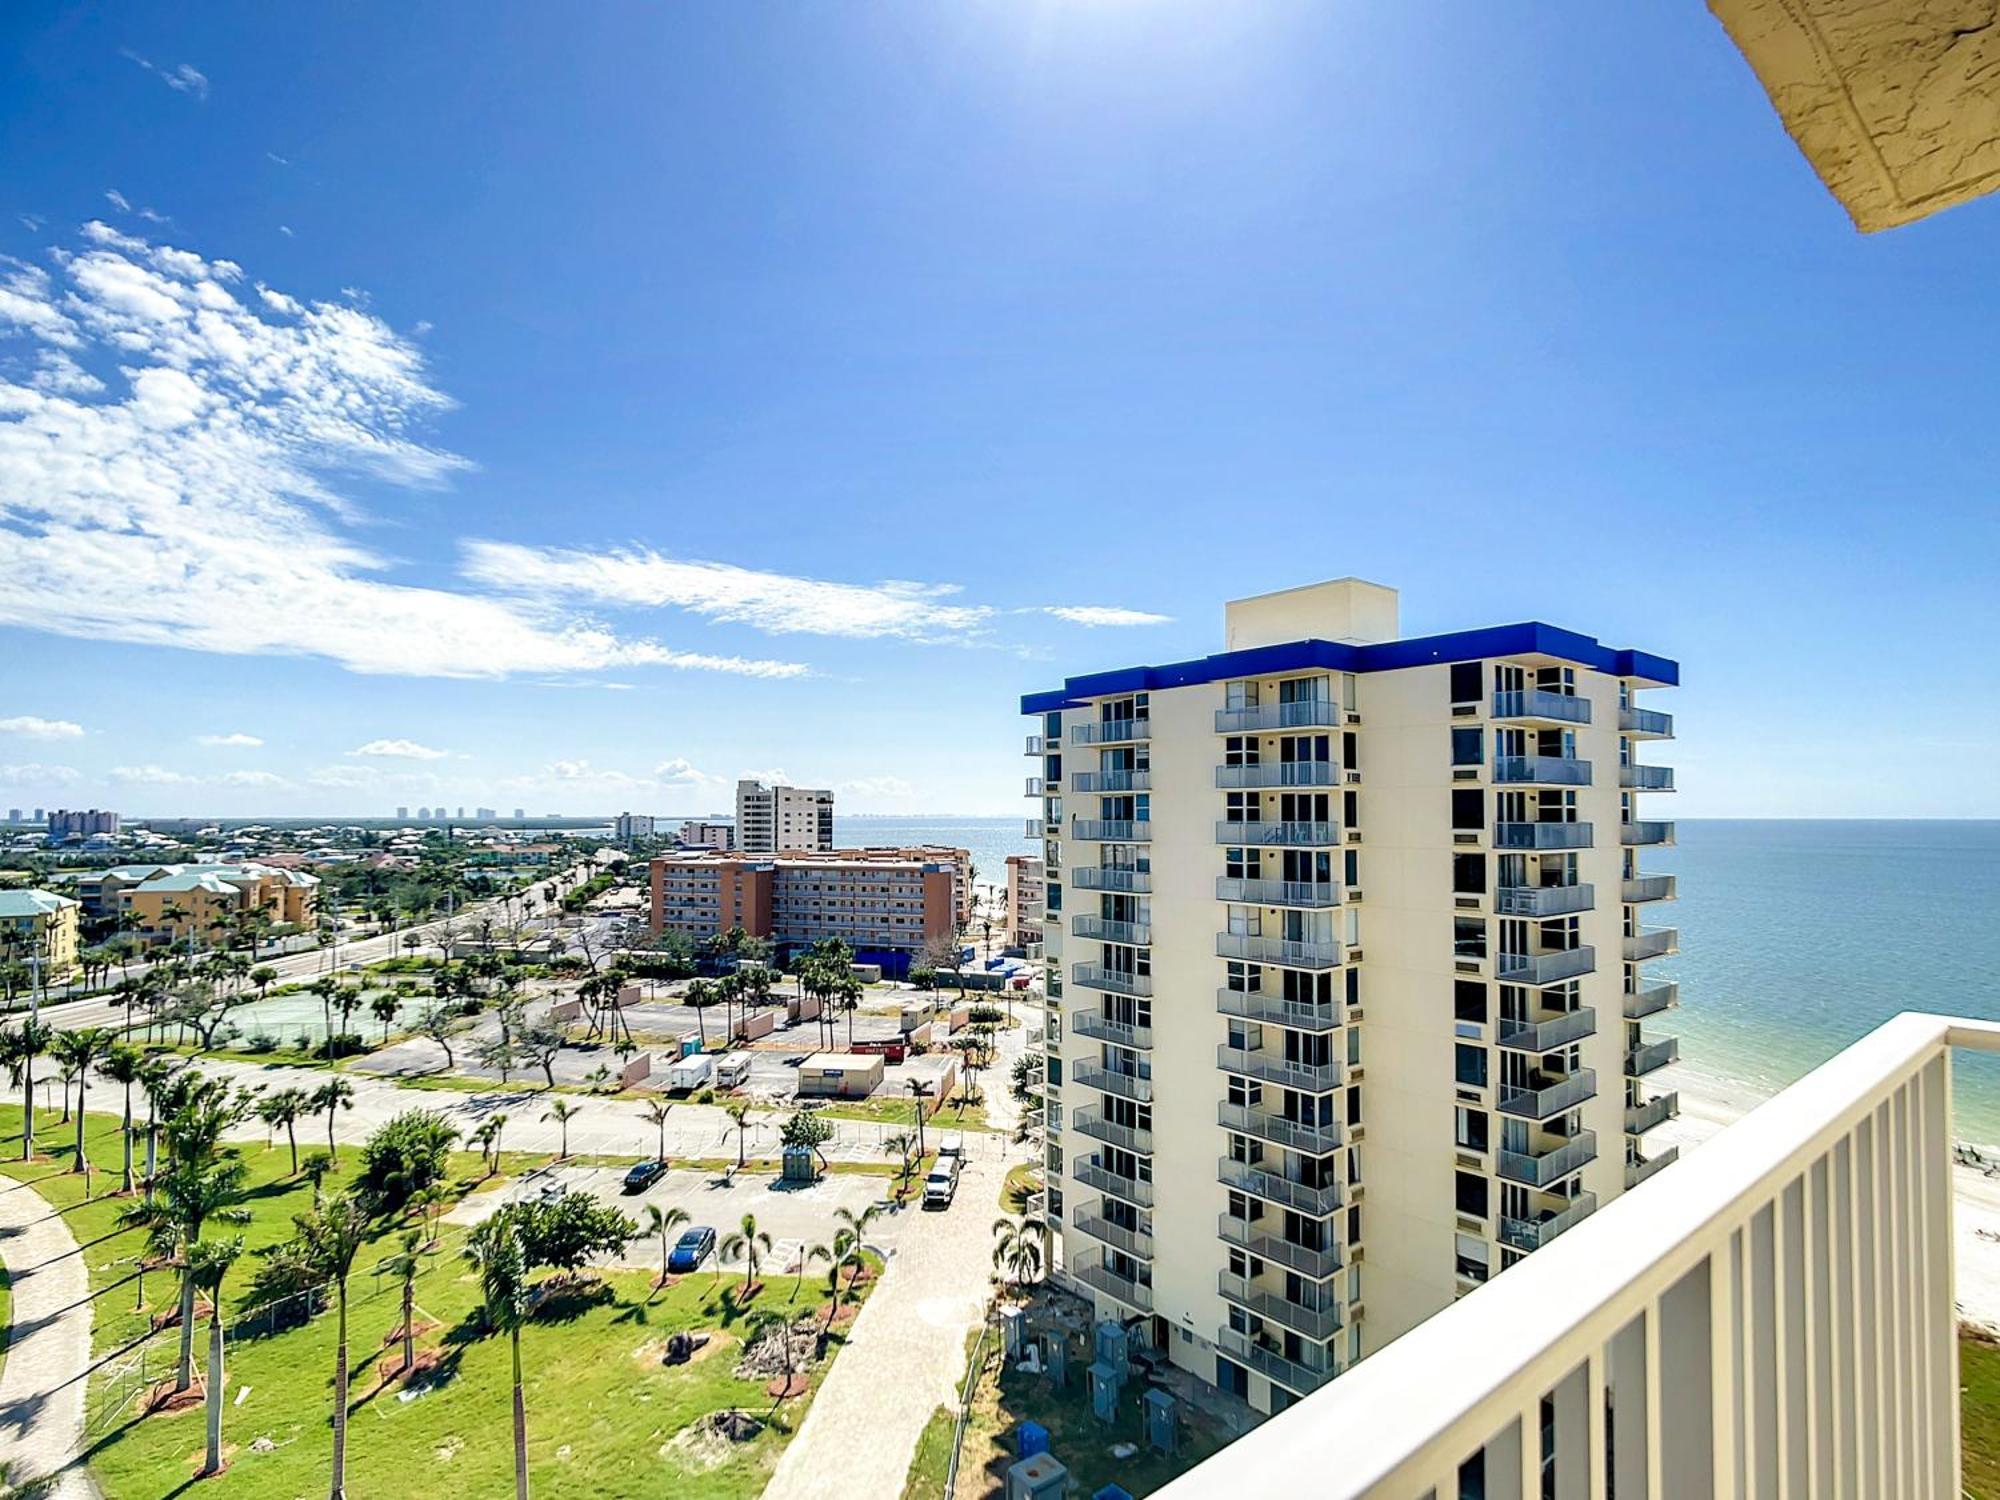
x,y
1032,1439
1014,1332
1104,1384
1111,1345
1162,1425
799,1165
1037,1478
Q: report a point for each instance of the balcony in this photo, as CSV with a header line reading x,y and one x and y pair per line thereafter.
x,y
1111,878
1100,1028
1112,830
1285,835
1547,1036
1255,1005
1545,968
1089,1174
1549,1099
1541,770
1651,999
1656,1111
1111,981
1658,943
1101,1278
1308,894
1646,723
1278,774
1134,1242
1690,1321
1289,953
1109,930
1133,1086
1245,1235
1274,1188
1314,715
1089,1122
1272,1067
1647,888
1111,781
1037,787
1110,731
1268,1359
1314,1140
1545,707
1318,1323
1650,1057
1540,901
1041,828
1041,744
1638,1171
1541,836
1646,778
1646,833
1550,1167
1532,1234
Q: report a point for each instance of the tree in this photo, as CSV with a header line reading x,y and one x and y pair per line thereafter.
x,y
656,1112
208,1263
503,1286
902,1143
439,1022
332,1096
1018,1253
541,1041
563,1233
404,1265
562,1112
403,1156
809,1129
807,1255
281,1110
383,1008
20,1046
328,1238
194,1191
750,1245
79,1051
701,994
315,1169
739,1115
122,1065
664,1222
920,1091
263,976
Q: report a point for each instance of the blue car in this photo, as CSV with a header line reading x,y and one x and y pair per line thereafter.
x,y
691,1249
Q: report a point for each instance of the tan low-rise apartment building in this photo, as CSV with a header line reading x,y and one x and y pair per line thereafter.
x,y
175,902
40,927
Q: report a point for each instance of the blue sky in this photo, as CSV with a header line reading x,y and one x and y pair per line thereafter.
x,y
578,407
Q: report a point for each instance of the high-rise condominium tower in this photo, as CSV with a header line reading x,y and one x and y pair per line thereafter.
x,y
1348,998
771,818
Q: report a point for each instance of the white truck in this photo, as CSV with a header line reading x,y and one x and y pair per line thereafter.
x,y
690,1073
942,1182
732,1070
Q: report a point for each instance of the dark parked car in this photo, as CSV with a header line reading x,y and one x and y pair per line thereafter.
x,y
691,1249
644,1176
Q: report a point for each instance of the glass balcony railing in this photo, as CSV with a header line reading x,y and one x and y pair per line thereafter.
x,y
1282,834
1100,1277
1101,1028
1111,878
1541,835
1134,1242
1115,981
1651,999
1036,787
1318,1320
1274,1188
1647,778
1256,1005
1545,968
1646,833
1538,901
1656,1111
1040,744
1541,770
1110,731
1112,830
1266,1356
1535,703
1540,1101
1532,1234
1638,1170
1262,716
1314,1139
1652,1056
1303,893
1657,943
1091,1174
1278,774
1272,1067
1256,1237
1093,1124
1111,781
1106,930
1646,723
1039,828
1647,888
1549,1167
1547,1036
1114,1081
1287,952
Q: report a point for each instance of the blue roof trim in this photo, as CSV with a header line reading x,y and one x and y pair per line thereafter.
x,y
1531,638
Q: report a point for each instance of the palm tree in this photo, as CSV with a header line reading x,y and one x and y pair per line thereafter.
x,y
739,1115
194,1191
314,1170
920,1091
332,1096
749,1245
208,1263
329,1238
263,976
283,1109
807,1255
20,1046
503,1284
404,1265
664,1222
79,1050
430,1204
499,1124
562,1112
122,1065
902,1143
383,1008
161,1082
1018,1255
657,1111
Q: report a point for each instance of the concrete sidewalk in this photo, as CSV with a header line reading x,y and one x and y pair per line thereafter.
x,y
48,1352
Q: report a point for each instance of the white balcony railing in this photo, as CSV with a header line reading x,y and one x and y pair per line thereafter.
x,y
1774,1315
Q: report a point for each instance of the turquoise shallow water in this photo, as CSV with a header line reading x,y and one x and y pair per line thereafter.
x,y
1796,937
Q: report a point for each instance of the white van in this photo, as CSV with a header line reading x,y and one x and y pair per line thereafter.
x,y
942,1182
951,1145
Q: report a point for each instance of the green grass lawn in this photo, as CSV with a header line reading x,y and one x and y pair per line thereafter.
x,y
603,1411
1023,1181
1979,1411
933,1458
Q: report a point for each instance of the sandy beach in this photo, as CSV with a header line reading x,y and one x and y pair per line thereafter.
x,y
1709,1106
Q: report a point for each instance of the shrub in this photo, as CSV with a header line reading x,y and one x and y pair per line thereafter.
x,y
403,1157
261,1041
561,1233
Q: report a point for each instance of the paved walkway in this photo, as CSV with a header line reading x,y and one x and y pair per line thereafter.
x,y
48,1354
905,1355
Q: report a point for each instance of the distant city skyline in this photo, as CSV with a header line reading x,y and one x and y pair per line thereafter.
x,y
787,392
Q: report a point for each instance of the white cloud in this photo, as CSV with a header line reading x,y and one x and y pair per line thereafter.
x,y
196,506
773,602
680,776
282,161
41,729
118,200
399,750
253,778
285,230
183,78
876,787
1104,614
34,774
246,741
150,775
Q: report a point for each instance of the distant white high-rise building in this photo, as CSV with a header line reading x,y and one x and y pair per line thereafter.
x,y
403,813
631,826
424,814
778,817
520,813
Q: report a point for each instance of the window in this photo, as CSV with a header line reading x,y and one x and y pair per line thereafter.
x,y
1468,874
1468,937
1474,1257
1470,1194
1469,1065
1468,747
1468,809
1469,1001
1471,1129
1466,678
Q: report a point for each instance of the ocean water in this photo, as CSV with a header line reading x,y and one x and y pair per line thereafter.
x,y
1796,937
